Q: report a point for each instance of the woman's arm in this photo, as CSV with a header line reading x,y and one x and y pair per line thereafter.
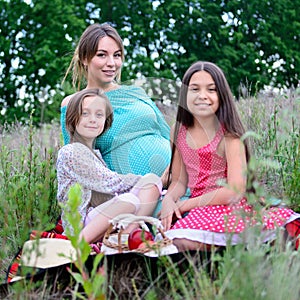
x,y
66,100
236,179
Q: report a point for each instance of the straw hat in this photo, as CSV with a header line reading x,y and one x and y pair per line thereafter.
x,y
47,252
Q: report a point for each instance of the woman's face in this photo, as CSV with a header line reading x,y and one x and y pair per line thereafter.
x,y
105,65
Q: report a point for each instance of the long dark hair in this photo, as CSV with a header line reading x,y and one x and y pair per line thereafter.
x,y
226,114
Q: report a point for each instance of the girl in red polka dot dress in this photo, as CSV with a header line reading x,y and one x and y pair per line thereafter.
x,y
210,158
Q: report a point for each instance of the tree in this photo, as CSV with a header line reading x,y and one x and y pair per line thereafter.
x,y
265,35
252,41
255,42
37,39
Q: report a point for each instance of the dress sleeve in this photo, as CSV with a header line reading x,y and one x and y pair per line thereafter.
x,y
65,133
89,171
164,127
161,121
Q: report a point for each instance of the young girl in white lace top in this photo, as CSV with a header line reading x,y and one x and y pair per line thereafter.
x,y
105,194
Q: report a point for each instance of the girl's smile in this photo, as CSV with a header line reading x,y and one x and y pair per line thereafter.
x,y
202,96
92,119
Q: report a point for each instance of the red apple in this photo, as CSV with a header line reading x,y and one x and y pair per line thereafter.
x,y
146,244
138,236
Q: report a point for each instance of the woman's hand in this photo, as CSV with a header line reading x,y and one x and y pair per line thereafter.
x,y
169,208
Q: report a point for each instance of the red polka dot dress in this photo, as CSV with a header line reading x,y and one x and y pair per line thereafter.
x,y
207,170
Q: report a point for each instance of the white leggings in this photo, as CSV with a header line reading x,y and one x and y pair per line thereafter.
x,y
131,197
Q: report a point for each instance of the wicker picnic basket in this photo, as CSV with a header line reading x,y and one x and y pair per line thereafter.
x,y
119,242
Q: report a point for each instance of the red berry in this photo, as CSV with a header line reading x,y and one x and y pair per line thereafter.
x,y
138,236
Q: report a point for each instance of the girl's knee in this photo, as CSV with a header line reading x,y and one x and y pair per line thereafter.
x,y
130,198
147,181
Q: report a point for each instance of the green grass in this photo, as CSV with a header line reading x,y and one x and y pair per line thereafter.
x,y
276,121
28,201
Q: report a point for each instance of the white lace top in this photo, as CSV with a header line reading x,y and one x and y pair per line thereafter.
x,y
76,163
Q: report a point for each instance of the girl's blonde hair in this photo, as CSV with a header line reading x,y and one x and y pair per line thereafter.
x,y
87,48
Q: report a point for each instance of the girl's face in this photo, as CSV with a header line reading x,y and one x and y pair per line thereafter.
x,y
92,119
105,65
202,96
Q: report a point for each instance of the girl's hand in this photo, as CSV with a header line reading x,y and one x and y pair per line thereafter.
x,y
169,208
164,177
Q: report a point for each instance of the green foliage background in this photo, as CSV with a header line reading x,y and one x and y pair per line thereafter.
x,y
162,39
